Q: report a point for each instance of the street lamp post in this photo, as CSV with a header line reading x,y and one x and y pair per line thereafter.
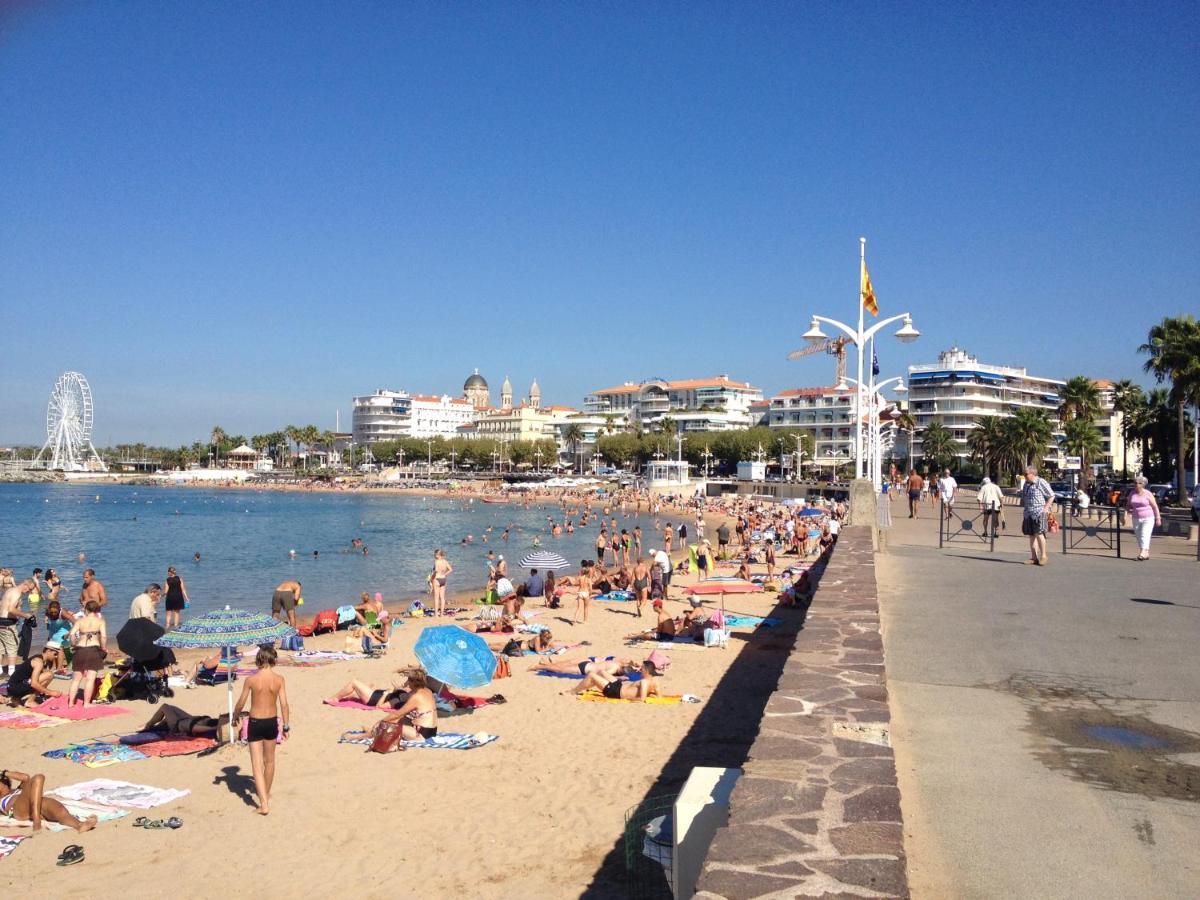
x,y
874,399
707,454
596,457
429,457
859,337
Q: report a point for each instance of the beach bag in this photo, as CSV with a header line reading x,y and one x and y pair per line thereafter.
x,y
305,630
1052,523
715,637
385,738
292,642
326,620
502,667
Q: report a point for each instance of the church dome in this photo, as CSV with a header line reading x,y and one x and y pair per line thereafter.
x,y
475,381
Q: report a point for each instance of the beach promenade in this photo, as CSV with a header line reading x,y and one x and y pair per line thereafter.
x,y
1046,721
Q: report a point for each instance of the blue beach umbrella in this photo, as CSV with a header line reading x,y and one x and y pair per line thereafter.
x,y
226,628
456,656
544,559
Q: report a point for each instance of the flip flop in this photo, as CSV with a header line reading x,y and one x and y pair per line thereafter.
x,y
157,823
174,822
71,855
140,822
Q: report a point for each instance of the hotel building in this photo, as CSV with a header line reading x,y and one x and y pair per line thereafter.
x,y
381,416
701,404
827,416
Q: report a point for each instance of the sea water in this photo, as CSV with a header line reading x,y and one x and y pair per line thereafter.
x,y
245,538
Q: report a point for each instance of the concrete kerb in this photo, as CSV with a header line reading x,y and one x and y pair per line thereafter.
x,y
817,810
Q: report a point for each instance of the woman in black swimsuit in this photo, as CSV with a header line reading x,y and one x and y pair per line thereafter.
x,y
176,599
364,693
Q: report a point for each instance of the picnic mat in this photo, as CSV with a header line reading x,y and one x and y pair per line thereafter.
x,y
57,707
9,843
96,754
447,741
597,697
107,792
15,718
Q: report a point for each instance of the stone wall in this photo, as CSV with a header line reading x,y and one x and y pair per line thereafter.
x,y
817,811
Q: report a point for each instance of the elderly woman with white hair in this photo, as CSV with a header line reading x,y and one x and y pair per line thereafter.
x,y
1143,509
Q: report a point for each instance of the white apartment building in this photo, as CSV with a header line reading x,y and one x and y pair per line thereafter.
x,y
381,416
700,404
959,392
442,416
827,416
1116,455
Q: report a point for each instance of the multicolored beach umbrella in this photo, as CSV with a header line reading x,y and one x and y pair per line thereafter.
x,y
226,628
544,559
456,656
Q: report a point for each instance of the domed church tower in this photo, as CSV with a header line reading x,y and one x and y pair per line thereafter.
x,y
476,391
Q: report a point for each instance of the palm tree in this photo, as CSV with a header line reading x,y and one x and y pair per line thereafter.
x,y
937,445
906,421
1082,438
1028,433
987,444
1128,399
1173,346
218,438
1079,399
292,433
573,435
667,426
608,423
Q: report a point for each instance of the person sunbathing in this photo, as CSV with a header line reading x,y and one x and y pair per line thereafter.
x,y
168,719
664,630
364,693
418,716
21,798
206,666
607,668
622,688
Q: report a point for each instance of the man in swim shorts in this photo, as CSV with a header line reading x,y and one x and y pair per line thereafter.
x,y
284,600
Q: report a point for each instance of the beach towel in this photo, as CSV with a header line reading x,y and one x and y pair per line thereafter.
x,y
736,621
546,673
666,646
615,597
16,718
124,794
57,707
447,741
96,754
354,704
669,700
9,843
308,655
175,745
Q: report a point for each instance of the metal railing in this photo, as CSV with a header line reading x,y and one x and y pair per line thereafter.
x,y
977,527
1097,528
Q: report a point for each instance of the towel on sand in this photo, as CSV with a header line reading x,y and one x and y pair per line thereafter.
x,y
597,697
79,810
175,745
354,704
736,621
665,646
117,793
16,718
57,707
96,754
446,741
615,597
324,654
9,844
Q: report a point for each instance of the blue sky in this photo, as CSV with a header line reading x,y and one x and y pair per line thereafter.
x,y
247,213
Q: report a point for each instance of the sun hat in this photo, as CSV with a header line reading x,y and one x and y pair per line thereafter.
x,y
52,645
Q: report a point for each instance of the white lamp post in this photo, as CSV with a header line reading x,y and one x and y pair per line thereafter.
x,y
874,395
906,334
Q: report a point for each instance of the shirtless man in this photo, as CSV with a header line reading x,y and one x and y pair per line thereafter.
x,y
92,590
664,630
267,694
10,615
284,600
622,688
608,667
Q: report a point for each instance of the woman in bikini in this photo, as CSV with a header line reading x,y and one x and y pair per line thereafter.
x,y
418,717
441,572
583,592
21,798
393,697
641,584
89,637
622,688
607,667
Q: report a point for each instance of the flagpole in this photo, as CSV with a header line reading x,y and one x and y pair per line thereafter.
x,y
872,450
858,344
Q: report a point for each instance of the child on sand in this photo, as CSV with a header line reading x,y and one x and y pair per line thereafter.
x,y
267,694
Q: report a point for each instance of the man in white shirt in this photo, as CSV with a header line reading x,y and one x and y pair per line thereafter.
x,y
990,500
664,565
947,487
145,604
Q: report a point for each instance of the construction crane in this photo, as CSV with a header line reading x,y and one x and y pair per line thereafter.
x,y
834,347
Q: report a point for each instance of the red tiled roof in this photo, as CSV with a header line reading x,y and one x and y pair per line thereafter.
x,y
807,392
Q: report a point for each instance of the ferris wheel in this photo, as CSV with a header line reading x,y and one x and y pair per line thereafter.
x,y
69,426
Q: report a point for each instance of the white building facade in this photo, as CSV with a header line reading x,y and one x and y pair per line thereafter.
x,y
827,416
439,416
381,416
701,404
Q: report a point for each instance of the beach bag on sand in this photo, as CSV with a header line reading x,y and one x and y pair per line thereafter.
x,y
305,630
326,620
502,667
292,642
385,738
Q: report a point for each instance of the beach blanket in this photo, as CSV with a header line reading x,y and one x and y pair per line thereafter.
x,y
9,843
107,792
175,745
546,673
447,741
735,621
354,704
614,597
96,754
57,707
306,655
597,697
16,718
666,646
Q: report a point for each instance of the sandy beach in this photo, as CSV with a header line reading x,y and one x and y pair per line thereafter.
x,y
537,812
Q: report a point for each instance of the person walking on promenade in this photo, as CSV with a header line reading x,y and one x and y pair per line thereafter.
x,y
915,484
267,694
284,600
990,500
1036,495
948,489
441,572
177,598
1143,509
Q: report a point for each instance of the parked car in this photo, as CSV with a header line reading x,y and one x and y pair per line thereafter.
x,y
1063,490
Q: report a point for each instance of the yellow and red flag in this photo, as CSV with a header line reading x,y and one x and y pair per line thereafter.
x,y
868,292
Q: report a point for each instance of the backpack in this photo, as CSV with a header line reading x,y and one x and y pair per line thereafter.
x,y
326,620
292,642
502,667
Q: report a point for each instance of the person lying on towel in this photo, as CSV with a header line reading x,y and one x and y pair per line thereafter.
x,y
168,719
621,688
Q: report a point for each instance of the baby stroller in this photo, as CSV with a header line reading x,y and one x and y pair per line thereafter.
x,y
140,676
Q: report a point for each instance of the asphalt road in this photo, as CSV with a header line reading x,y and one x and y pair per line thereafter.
x,y
1046,721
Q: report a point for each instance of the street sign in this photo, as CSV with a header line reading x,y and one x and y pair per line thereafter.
x,y
1072,463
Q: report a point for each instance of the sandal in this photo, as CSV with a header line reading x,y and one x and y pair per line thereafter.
x,y
157,823
174,822
140,822
71,855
